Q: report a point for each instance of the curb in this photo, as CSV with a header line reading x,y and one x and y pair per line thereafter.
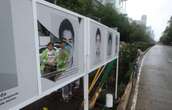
x,y
126,96
134,101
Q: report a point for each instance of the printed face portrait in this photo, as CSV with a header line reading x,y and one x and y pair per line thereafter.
x,y
109,45
98,42
66,34
68,37
50,46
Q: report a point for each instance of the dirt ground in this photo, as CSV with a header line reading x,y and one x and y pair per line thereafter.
x,y
54,101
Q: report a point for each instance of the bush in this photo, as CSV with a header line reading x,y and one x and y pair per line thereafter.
x,y
128,55
167,35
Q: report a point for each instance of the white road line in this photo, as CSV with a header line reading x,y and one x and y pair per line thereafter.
x,y
134,101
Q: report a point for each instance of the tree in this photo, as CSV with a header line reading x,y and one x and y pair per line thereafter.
x,y
84,7
167,34
106,14
138,33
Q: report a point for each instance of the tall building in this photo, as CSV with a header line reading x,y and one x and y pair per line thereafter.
x,y
144,19
143,22
150,32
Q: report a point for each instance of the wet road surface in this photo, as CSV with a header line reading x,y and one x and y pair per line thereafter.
x,y
155,87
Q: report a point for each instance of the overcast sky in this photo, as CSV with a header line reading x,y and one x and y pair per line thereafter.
x,y
158,13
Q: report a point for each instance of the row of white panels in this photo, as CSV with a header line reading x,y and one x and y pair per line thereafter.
x,y
28,69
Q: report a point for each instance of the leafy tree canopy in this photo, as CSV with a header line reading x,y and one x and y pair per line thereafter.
x,y
167,34
129,31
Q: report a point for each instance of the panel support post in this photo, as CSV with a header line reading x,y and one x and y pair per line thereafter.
x,y
116,83
117,69
86,94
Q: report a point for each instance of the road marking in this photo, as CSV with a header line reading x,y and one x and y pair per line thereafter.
x,y
134,101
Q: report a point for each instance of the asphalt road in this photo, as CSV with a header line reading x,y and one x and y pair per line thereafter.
x,y
155,87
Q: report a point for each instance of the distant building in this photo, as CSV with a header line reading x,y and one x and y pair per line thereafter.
x,y
150,32
144,19
143,22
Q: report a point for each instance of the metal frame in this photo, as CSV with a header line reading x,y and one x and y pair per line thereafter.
x,y
68,80
117,68
89,69
86,92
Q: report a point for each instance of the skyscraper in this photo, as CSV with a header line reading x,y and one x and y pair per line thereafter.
x,y
144,19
